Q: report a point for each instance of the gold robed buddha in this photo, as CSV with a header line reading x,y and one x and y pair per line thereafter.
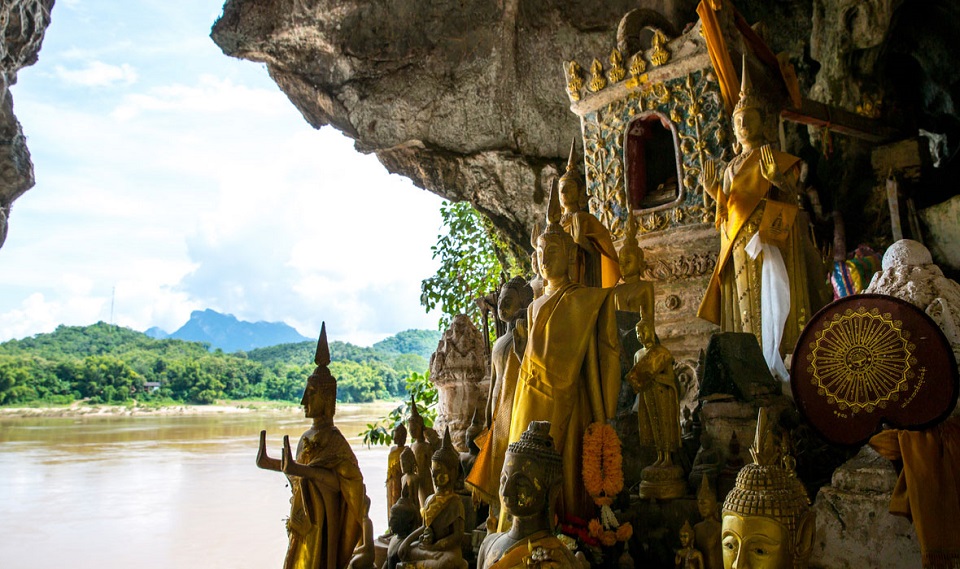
x,y
734,296
767,522
394,472
327,509
422,450
595,263
570,371
633,294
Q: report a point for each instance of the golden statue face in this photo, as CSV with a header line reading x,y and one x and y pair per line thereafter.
x,y
747,126
521,493
442,477
755,542
645,335
570,193
631,263
552,258
707,506
316,404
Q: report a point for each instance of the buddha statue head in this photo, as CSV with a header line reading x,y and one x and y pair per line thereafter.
x,y
515,295
632,263
473,431
400,435
555,247
408,461
415,422
320,395
686,534
445,464
748,127
707,500
767,521
573,193
532,471
646,334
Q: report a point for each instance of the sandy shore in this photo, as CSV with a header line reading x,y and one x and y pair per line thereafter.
x,y
81,409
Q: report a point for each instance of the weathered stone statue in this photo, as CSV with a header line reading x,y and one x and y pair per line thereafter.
x,y
755,277
515,296
688,557
410,478
437,543
595,263
363,555
570,371
658,415
531,485
707,462
421,451
404,518
394,473
706,534
469,458
460,370
767,520
327,508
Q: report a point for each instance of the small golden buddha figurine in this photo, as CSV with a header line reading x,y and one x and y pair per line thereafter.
x,y
789,287
530,485
515,295
327,508
658,414
410,477
394,474
570,370
437,544
422,450
706,534
596,262
767,521
634,294
688,557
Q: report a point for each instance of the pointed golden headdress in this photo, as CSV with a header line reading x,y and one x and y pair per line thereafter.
x,y
748,98
573,171
321,376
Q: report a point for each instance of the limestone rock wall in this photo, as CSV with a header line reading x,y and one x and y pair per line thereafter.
x,y
22,25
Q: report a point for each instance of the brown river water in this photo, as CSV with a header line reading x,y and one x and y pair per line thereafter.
x,y
157,491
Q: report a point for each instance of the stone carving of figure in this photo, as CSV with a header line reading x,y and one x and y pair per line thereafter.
x,y
394,473
706,534
766,520
421,450
731,467
752,276
570,371
531,484
634,294
688,557
459,369
596,262
437,544
404,518
410,477
706,463
327,509
515,295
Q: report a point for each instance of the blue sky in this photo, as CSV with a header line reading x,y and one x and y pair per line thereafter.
x,y
172,178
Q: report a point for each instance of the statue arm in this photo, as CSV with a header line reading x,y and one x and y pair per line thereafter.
x,y
453,540
404,550
263,460
322,476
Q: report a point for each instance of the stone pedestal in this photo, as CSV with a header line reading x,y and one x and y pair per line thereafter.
x,y
854,526
460,370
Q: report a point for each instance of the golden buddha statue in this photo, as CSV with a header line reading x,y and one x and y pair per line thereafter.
x,y
760,286
706,534
422,450
437,544
658,414
570,371
634,294
767,521
484,479
688,557
327,508
394,474
596,261
530,486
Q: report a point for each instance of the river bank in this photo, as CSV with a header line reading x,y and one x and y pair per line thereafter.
x,y
83,409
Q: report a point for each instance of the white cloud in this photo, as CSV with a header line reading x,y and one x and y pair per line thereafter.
x,y
97,74
210,95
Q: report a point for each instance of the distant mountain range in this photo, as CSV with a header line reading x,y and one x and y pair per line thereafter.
x,y
224,331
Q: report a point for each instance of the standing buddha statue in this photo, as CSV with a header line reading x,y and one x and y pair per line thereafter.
x,y
327,509
634,294
421,450
688,557
394,473
706,534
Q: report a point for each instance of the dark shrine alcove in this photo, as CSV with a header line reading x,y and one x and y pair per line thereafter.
x,y
652,163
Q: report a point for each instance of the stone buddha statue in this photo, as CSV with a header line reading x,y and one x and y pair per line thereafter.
x,y
404,518
706,534
421,450
515,295
437,544
707,462
688,557
658,414
595,263
767,521
754,276
570,370
410,476
394,473
328,506
530,486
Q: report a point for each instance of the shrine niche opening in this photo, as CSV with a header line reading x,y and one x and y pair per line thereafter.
x,y
652,163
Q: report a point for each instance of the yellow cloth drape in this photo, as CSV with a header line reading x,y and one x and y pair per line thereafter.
x,y
719,55
601,267
928,490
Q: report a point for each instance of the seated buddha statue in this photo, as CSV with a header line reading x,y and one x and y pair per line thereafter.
x,y
766,518
530,485
404,518
437,544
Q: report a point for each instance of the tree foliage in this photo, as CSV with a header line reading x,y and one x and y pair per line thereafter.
x,y
423,393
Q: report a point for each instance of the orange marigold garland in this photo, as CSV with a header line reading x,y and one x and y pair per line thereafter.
x,y
603,479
